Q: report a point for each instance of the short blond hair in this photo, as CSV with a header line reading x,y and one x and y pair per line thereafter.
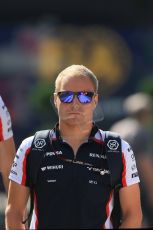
x,y
76,70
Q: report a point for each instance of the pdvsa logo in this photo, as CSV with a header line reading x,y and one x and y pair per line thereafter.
x,y
113,144
39,143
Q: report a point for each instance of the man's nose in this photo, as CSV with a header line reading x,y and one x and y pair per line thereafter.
x,y
75,102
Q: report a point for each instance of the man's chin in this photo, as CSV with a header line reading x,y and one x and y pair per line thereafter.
x,y
74,120
77,118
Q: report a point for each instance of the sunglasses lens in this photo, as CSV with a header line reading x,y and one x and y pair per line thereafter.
x,y
66,97
85,97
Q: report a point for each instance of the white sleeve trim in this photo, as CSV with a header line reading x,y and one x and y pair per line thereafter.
x,y
16,173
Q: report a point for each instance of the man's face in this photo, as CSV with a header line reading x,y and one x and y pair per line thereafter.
x,y
75,113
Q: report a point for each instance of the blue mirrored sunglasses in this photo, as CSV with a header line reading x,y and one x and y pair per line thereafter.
x,y
83,96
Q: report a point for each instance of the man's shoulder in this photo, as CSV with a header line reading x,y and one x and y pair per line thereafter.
x,y
28,141
124,144
110,133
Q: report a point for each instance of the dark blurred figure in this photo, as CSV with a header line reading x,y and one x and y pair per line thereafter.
x,y
136,129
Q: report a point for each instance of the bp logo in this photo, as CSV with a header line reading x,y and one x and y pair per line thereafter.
x,y
39,143
113,144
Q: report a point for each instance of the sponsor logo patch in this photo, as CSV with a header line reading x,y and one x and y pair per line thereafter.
x,y
102,172
96,155
52,167
51,181
133,167
40,143
113,144
14,164
134,174
13,172
132,157
92,182
17,156
49,154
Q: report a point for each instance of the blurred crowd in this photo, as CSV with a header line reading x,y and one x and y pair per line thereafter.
x,y
136,129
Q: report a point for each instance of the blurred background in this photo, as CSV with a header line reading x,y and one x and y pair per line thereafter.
x,y
38,39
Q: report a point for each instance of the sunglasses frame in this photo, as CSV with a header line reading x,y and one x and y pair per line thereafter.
x,y
90,95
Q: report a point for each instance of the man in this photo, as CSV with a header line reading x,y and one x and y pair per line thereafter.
x,y
70,191
136,129
7,146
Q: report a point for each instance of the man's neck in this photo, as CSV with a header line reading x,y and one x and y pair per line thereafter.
x,y
77,133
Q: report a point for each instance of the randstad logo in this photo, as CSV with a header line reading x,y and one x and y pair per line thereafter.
x,y
39,143
113,144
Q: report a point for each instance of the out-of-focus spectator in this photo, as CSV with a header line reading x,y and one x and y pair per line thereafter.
x,y
7,146
7,153
136,129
